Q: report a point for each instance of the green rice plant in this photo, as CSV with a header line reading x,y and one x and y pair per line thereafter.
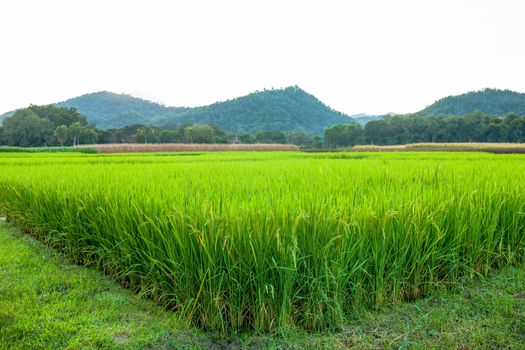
x,y
274,241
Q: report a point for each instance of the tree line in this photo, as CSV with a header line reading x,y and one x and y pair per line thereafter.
x,y
40,126
414,128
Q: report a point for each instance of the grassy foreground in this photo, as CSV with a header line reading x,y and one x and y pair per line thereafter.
x,y
48,303
280,241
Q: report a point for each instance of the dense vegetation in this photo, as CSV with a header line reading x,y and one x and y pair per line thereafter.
x,y
112,111
398,130
38,126
275,110
275,241
272,116
284,110
489,101
153,134
48,303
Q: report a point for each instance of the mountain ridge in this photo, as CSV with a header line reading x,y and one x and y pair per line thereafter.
x,y
118,110
285,109
495,102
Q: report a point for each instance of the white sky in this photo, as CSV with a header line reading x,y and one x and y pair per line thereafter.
x,y
356,56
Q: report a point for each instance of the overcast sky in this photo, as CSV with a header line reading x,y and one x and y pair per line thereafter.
x,y
355,56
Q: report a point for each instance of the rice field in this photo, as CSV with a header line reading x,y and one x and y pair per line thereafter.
x,y
270,242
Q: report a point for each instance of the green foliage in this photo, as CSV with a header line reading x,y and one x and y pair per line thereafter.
x,y
489,101
48,303
278,241
81,135
170,136
108,110
247,139
343,135
472,127
146,134
59,116
25,128
284,110
270,137
299,138
61,133
88,136
126,134
37,126
151,134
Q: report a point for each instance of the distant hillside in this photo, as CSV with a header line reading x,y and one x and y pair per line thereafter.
x,y
284,109
109,110
364,119
489,101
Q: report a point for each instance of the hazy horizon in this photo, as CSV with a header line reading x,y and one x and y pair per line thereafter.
x,y
374,57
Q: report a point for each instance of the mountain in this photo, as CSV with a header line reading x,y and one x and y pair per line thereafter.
x,y
108,110
489,101
363,118
3,116
283,109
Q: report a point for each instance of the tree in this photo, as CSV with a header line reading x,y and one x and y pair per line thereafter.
x,y
271,137
145,134
299,138
246,138
343,135
25,128
471,127
199,134
87,136
169,136
74,131
58,115
61,134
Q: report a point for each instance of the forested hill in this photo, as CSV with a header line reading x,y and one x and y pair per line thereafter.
x,y
283,109
489,101
109,110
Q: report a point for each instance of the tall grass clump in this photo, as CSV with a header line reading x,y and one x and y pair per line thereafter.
x,y
275,241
